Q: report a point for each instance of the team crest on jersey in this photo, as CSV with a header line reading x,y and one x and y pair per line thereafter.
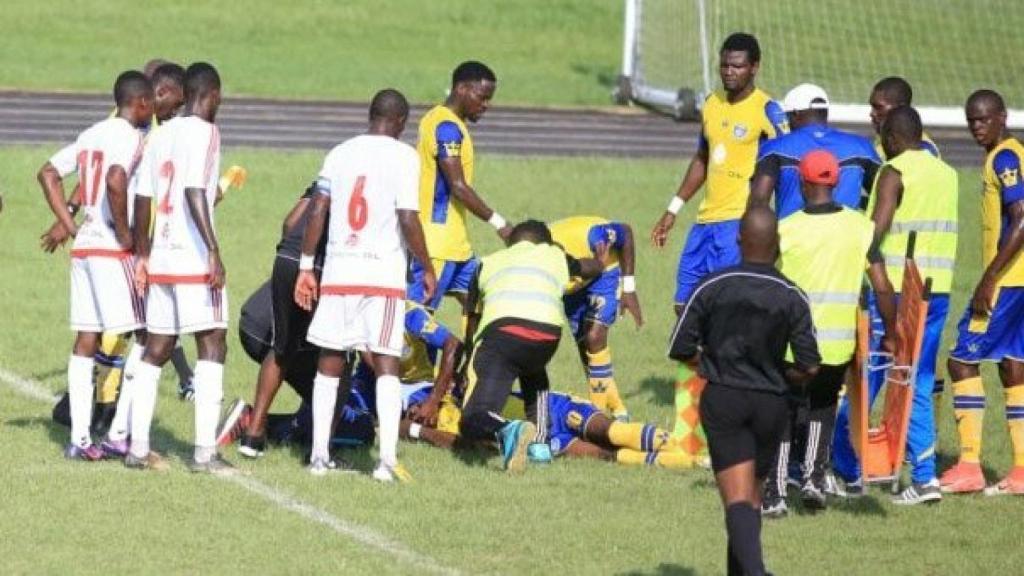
x,y
452,149
574,419
353,240
1009,177
739,131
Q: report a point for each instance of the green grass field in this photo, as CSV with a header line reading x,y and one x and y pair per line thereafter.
x,y
573,517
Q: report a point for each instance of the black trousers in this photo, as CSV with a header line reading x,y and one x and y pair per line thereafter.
x,y
503,354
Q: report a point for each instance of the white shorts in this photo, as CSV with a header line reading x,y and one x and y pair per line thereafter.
x,y
355,322
103,295
185,308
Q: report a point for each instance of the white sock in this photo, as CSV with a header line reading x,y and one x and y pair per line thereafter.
x,y
143,404
123,413
389,414
80,398
209,387
325,395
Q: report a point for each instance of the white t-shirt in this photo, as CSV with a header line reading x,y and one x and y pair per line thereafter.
x,y
183,153
368,178
112,142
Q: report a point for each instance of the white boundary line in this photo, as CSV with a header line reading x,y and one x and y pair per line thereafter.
x,y
37,391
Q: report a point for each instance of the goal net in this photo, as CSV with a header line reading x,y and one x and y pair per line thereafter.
x,y
945,48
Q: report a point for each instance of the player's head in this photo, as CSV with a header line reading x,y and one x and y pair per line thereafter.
x,y
759,235
739,60
533,231
806,104
902,130
202,90
888,93
819,173
986,117
388,112
168,90
152,65
473,86
133,94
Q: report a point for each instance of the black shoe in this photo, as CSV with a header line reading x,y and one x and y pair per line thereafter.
x,y
813,497
252,446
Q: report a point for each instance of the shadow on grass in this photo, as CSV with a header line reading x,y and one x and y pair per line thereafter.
x,y
605,77
162,438
663,569
657,389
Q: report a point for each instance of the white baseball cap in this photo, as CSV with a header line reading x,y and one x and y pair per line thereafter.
x,y
805,97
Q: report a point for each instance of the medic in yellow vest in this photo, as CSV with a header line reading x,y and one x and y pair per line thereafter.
x,y
592,306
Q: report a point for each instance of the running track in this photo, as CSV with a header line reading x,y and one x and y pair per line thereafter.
x,y
36,117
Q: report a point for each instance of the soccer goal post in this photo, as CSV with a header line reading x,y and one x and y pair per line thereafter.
x,y
945,48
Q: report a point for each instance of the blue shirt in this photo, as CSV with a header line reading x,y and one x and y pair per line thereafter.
x,y
858,164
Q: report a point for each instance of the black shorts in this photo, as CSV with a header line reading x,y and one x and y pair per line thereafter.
x,y
743,425
290,321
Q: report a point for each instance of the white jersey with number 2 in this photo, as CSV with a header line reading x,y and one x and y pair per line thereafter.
x,y
368,179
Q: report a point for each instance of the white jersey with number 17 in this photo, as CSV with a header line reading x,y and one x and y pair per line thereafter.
x,y
368,179
183,154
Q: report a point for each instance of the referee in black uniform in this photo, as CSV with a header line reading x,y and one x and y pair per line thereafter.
x,y
735,330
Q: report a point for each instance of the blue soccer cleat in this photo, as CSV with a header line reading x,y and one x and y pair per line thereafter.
x,y
513,439
539,453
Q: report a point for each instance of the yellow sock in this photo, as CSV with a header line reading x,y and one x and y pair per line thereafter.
x,y
599,374
1015,421
671,460
969,408
637,436
109,363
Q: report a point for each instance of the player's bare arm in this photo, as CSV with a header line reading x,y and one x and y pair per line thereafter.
x,y
305,283
984,293
451,169
885,298
412,232
57,234
200,213
53,190
471,312
889,190
294,216
140,240
627,261
766,174
117,196
425,413
696,173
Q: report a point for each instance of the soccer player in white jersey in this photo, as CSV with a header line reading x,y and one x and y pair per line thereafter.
x,y
370,185
103,297
182,268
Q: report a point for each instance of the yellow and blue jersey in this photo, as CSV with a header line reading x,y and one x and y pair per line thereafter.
x,y
580,235
1003,186
927,144
442,134
731,134
423,333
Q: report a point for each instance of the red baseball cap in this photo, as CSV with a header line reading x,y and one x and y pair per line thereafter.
x,y
819,167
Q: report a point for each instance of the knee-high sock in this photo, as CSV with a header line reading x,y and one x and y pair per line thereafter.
x,y
542,417
604,392
209,386
80,398
638,436
110,361
122,416
1015,421
969,408
389,415
743,523
688,432
675,460
143,404
325,394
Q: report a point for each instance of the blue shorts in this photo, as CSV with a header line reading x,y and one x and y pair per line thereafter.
x,y
452,277
709,248
1002,336
569,417
596,302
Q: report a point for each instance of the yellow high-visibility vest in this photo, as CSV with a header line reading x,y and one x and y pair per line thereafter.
x,y
523,281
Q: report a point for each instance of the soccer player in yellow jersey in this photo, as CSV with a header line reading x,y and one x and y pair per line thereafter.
x,y
446,183
592,306
735,121
888,93
992,327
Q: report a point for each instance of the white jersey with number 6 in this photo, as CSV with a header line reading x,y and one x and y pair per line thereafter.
x,y
184,153
112,142
368,179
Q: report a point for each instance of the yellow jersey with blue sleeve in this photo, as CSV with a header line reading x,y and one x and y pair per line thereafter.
x,y
580,235
1003,186
442,134
423,333
731,133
